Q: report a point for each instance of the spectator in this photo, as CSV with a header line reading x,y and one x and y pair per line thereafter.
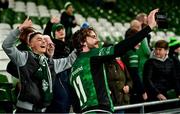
x,y
119,81
159,73
36,70
142,18
135,24
68,20
160,78
4,4
57,33
62,97
145,49
50,46
174,50
87,75
131,59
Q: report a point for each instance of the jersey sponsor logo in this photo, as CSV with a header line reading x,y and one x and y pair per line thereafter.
x,y
77,70
105,51
44,85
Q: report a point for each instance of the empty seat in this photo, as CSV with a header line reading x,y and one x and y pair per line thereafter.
x,y
54,13
15,25
4,64
5,26
3,55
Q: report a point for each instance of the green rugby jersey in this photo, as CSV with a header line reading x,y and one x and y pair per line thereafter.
x,y
89,79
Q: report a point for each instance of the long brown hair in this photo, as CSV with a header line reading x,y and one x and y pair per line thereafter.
x,y
79,37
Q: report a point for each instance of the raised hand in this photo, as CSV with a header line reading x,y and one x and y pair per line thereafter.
x,y
151,18
27,23
55,20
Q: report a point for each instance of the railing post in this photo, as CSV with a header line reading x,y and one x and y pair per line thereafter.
x,y
142,109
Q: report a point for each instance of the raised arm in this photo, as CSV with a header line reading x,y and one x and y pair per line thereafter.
x,y
64,63
122,47
18,57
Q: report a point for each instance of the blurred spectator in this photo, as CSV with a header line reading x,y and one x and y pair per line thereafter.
x,y
144,49
4,4
62,94
119,81
68,20
135,24
131,59
50,46
174,52
142,18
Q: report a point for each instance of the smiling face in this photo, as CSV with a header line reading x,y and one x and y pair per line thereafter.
x,y
38,44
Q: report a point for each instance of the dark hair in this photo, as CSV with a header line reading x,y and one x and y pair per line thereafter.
x,y
31,35
162,44
79,37
24,34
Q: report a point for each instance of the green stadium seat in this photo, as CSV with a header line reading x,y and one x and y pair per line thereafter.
x,y
7,16
54,12
6,95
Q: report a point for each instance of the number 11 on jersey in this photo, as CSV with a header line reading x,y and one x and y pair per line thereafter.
x,y
80,90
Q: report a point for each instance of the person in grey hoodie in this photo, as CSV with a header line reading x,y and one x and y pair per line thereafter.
x,y
37,71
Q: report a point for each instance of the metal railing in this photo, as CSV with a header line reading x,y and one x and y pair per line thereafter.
x,y
142,105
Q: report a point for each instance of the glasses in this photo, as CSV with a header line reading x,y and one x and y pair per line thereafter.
x,y
93,36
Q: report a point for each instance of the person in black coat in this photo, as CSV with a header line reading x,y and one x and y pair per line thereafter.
x,y
159,76
69,21
62,99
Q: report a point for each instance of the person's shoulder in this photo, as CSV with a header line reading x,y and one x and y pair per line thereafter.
x,y
171,59
63,13
150,61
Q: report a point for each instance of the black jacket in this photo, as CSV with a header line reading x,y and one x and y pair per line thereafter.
x,y
159,76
